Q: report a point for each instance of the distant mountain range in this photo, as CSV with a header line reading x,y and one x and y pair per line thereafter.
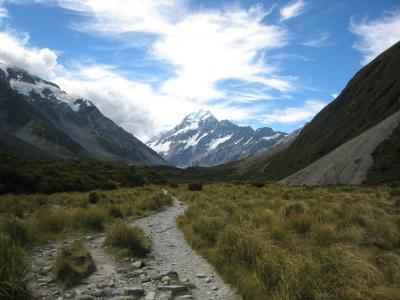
x,y
353,140
201,140
40,121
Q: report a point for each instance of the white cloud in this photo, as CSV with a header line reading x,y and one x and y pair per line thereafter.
x,y
204,47
321,40
334,95
136,106
292,9
3,13
15,51
119,16
376,35
295,114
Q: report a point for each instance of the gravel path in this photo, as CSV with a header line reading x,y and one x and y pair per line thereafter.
x,y
171,271
171,252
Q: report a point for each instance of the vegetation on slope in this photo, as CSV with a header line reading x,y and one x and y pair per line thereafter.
x,y
29,176
386,157
278,242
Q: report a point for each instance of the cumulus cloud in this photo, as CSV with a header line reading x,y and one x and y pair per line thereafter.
x,y
292,9
295,114
376,35
15,51
203,47
135,106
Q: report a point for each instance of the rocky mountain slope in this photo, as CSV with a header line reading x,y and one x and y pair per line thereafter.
x,y
201,140
40,117
350,162
372,96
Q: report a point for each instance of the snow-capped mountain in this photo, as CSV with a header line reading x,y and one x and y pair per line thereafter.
x,y
46,122
201,140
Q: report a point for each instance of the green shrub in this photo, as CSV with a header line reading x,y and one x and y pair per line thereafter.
x,y
257,184
14,272
73,263
127,238
195,186
93,198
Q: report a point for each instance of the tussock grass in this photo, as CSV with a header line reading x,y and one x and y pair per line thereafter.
x,y
131,240
29,220
73,263
51,217
279,242
14,270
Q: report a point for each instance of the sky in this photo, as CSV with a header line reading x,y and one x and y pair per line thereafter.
x,y
148,63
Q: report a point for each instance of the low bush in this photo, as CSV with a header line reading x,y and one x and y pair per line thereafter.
x,y
93,198
131,239
14,271
258,184
73,263
195,186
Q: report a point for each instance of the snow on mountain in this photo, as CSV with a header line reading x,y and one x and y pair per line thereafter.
x,y
39,113
201,140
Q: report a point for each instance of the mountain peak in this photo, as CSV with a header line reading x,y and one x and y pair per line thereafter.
x,y
199,116
200,139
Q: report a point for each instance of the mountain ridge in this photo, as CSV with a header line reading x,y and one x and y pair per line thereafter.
x,y
370,97
39,113
201,140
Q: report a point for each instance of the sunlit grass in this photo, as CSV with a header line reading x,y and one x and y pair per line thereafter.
x,y
278,242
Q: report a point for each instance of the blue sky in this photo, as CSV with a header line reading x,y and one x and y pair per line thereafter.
x,y
146,64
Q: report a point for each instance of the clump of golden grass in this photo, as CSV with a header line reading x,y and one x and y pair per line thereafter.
x,y
279,242
131,240
14,271
73,263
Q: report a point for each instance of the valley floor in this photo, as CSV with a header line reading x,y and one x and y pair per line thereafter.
x,y
170,256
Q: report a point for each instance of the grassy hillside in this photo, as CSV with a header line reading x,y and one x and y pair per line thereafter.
x,y
386,160
370,97
279,242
